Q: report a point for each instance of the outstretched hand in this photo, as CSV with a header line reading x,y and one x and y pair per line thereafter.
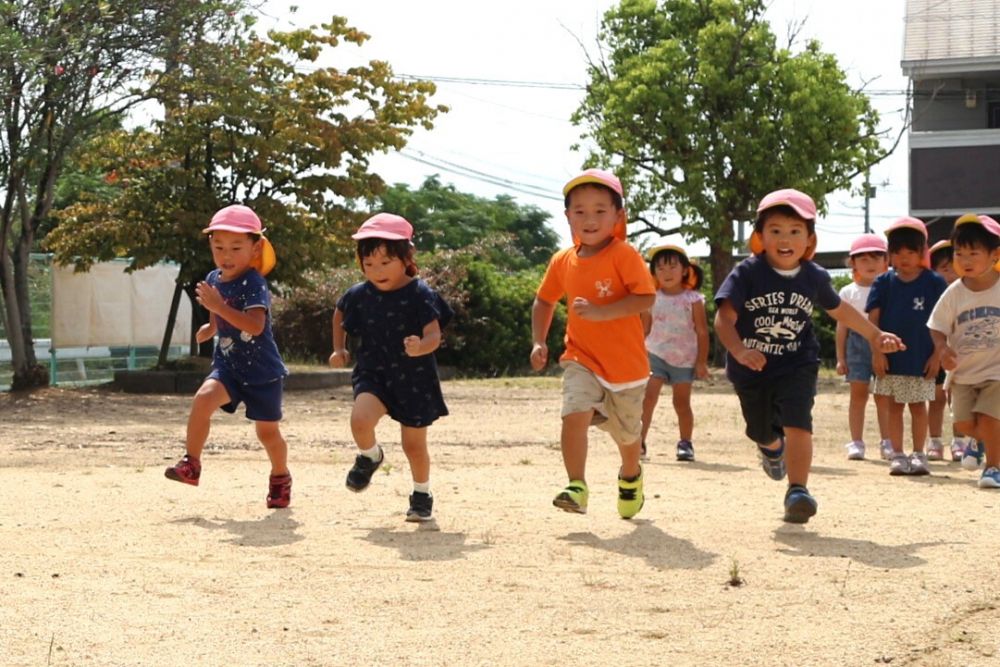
x,y
752,359
209,297
887,343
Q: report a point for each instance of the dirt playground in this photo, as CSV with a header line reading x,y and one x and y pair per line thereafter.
x,y
105,562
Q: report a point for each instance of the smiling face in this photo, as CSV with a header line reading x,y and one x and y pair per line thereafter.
x,y
669,273
786,239
385,272
233,252
592,216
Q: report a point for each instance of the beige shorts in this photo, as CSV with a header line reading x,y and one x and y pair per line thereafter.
x,y
968,398
617,412
905,388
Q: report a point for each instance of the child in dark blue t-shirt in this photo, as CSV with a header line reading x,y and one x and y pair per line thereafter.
x,y
901,301
247,367
764,320
397,320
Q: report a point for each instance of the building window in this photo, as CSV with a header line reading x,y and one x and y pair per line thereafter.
x,y
993,109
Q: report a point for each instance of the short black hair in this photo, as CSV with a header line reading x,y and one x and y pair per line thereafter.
x,y
906,237
945,254
969,235
616,198
784,209
401,249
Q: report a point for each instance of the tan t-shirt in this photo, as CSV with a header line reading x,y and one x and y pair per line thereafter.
x,y
971,321
614,350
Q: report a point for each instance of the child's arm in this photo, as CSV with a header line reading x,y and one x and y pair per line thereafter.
x,y
725,330
252,321
630,304
647,322
880,364
841,343
340,357
878,339
417,346
948,356
701,330
541,319
207,330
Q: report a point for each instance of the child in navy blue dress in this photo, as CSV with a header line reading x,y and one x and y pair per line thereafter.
x,y
397,320
247,367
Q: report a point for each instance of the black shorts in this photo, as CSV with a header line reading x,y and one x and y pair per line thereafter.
x,y
772,404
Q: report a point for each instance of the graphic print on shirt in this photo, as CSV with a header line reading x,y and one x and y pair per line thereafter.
x,y
778,320
918,303
979,329
603,288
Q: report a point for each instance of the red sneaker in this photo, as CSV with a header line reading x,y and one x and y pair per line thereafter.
x,y
187,470
280,491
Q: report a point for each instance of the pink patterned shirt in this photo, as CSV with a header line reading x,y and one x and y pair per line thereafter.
x,y
672,336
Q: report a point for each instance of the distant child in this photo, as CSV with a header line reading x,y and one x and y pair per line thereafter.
x,y
605,367
900,301
764,320
868,259
397,320
246,367
941,263
676,340
965,326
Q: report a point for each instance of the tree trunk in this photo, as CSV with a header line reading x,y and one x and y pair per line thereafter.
x,y
175,303
199,316
721,259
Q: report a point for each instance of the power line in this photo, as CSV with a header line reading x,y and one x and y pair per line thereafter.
x,y
468,172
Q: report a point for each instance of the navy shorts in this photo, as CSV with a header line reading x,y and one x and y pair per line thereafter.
x,y
772,404
859,358
263,401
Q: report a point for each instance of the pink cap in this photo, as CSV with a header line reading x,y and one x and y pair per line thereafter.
x,y
907,223
599,176
988,223
868,243
235,218
800,202
385,226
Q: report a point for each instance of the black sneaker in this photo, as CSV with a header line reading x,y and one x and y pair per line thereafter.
x,y
799,504
421,505
685,450
360,474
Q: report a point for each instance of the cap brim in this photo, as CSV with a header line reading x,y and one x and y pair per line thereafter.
x,y
861,251
801,212
666,246
388,236
589,178
230,228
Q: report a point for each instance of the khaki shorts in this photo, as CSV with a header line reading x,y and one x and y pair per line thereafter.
x,y
617,412
968,398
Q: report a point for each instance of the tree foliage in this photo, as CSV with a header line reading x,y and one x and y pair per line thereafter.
x,y
702,113
444,218
65,68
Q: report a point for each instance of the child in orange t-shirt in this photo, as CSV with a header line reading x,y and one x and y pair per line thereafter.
x,y
605,364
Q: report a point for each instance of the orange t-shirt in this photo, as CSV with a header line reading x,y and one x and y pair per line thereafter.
x,y
614,350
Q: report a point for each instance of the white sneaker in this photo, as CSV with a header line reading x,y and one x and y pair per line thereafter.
x,y
900,464
972,457
918,464
855,450
957,447
885,448
935,450
990,479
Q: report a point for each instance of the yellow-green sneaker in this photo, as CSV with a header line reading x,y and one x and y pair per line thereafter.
x,y
573,498
630,497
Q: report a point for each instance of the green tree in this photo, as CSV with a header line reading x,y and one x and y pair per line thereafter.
x,y
252,120
444,218
65,68
700,112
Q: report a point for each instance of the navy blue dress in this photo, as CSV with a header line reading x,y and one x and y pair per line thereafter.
x,y
409,387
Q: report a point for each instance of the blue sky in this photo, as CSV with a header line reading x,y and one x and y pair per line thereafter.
x,y
511,73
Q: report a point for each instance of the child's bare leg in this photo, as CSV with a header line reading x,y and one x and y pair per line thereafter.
x,y
935,412
630,460
798,455
682,406
573,441
364,416
918,425
274,444
210,397
415,447
649,402
895,423
882,413
856,410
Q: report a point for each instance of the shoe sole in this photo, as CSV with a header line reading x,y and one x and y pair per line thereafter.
x,y
855,457
800,511
685,457
568,505
899,473
359,489
170,473
415,518
631,516
277,505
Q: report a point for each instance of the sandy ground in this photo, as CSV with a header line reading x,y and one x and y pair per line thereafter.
x,y
105,562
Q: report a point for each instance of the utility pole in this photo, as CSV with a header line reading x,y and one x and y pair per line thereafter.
x,y
869,195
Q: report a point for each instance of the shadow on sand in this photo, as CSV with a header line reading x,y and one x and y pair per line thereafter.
x,y
425,543
274,530
648,542
800,542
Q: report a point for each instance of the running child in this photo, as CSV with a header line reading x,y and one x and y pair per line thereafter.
x,y
396,319
868,259
676,340
764,320
246,366
900,301
965,326
941,263
605,367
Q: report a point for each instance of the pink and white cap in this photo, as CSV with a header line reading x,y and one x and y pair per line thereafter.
x,y
799,202
868,243
598,176
988,223
385,226
235,218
